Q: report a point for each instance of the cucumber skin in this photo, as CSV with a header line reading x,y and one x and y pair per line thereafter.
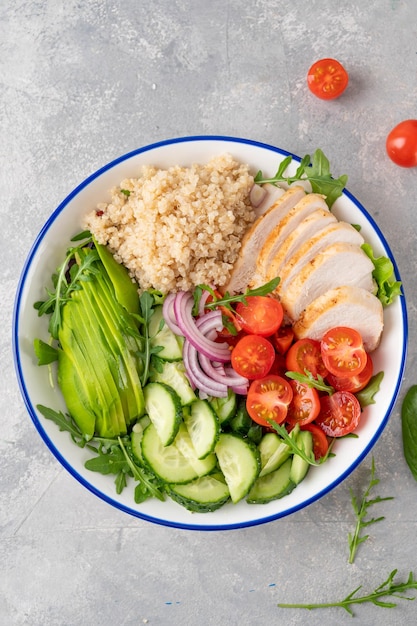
x,y
156,466
252,449
259,494
191,503
177,407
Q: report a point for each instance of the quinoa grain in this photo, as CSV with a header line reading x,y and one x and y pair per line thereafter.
x,y
176,228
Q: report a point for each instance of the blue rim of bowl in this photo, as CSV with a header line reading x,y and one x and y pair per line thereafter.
x,y
63,460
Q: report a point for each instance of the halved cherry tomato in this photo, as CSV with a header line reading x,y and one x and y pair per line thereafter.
x,y
343,352
327,79
261,315
268,399
401,144
339,414
305,354
320,442
353,383
282,339
305,404
253,356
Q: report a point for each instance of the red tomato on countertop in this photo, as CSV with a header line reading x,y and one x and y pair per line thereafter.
x,y
327,79
401,144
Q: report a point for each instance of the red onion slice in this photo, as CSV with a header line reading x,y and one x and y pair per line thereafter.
x,y
183,305
204,383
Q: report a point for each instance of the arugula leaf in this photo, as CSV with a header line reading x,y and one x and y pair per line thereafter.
x,y
409,428
227,300
65,424
315,170
388,287
295,449
45,353
388,588
147,303
360,511
366,395
67,279
309,380
113,456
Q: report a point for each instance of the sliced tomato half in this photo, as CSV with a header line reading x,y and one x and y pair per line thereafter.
x,y
282,339
305,404
340,414
253,356
260,315
327,79
305,354
320,441
343,351
268,399
353,383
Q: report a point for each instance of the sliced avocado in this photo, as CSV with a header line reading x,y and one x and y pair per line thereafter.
x,y
125,290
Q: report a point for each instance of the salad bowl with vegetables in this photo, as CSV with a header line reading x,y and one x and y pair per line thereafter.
x,y
205,408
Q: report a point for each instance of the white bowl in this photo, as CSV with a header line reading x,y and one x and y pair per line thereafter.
x,y
46,254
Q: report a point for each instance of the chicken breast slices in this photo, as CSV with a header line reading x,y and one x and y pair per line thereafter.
x,y
338,264
343,306
245,267
331,233
285,227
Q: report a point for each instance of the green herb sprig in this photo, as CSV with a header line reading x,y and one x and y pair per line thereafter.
x,y
316,170
389,588
295,449
361,510
113,456
227,300
64,285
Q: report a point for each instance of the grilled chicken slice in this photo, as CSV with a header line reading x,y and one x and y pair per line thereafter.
x,y
336,232
308,228
272,194
343,306
277,236
245,266
338,264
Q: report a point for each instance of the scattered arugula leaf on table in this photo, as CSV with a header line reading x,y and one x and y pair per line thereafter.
x,y
361,510
389,588
316,170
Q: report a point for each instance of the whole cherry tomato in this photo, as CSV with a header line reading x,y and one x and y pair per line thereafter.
x,y
401,144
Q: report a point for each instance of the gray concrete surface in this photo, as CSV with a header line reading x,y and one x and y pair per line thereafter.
x,y
84,82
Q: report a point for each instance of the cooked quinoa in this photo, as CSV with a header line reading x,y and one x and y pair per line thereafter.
x,y
177,228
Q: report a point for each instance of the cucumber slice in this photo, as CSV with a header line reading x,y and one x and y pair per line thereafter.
x,y
240,463
163,406
300,467
161,335
273,451
272,486
173,375
185,445
168,463
203,495
136,437
203,427
225,408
